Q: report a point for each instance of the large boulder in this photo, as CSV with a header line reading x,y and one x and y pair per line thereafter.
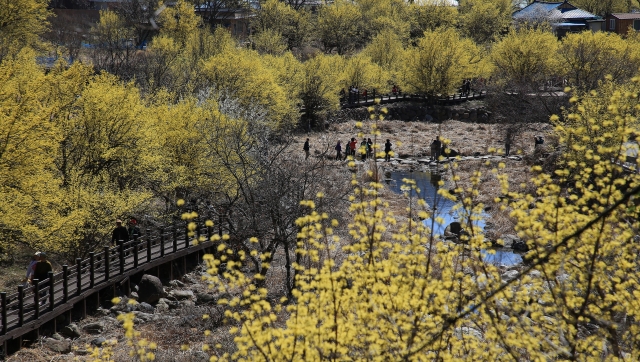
x,y
71,331
182,294
57,346
150,289
94,328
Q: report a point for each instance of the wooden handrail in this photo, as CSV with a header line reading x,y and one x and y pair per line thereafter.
x,y
90,274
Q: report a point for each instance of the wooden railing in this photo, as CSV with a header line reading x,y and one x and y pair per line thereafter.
x,y
358,100
31,306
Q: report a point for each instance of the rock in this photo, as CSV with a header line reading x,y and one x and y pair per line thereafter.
x,y
134,295
468,331
535,274
203,298
508,240
71,331
145,307
199,356
182,294
81,352
162,307
57,337
187,303
188,278
98,341
101,312
62,347
141,317
510,275
520,245
150,289
93,328
176,283
170,304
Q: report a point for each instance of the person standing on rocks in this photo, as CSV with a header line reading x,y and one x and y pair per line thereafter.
x,y
387,151
436,146
539,141
363,149
120,234
338,151
306,149
369,147
507,144
352,147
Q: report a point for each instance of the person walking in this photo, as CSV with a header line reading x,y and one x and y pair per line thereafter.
x,y
120,234
306,149
31,267
387,151
133,230
338,151
40,273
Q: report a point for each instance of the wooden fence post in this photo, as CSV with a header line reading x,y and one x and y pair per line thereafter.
x,y
92,269
52,287
20,305
186,235
135,254
79,276
121,255
148,246
65,283
107,262
175,239
3,299
161,242
36,298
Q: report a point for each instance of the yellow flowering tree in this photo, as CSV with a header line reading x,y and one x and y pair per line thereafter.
x,y
393,291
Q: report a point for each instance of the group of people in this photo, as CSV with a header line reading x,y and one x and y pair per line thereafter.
x,y
39,267
366,146
353,95
122,234
38,270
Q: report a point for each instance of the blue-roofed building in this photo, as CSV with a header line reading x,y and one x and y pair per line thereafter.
x,y
561,15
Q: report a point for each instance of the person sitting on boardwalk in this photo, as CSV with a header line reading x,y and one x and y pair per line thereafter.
x,y
387,151
120,234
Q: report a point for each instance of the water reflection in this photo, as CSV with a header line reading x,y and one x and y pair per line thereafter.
x,y
428,184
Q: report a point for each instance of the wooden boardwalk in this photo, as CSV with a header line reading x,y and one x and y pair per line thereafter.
x,y
25,311
362,101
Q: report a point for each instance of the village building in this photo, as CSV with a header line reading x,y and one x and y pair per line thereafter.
x,y
562,16
623,23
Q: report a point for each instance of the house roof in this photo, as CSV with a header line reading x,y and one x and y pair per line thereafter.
x,y
626,16
553,10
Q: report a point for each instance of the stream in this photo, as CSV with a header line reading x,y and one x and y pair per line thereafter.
x,y
427,182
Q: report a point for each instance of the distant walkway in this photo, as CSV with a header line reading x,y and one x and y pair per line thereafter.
x,y
363,101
